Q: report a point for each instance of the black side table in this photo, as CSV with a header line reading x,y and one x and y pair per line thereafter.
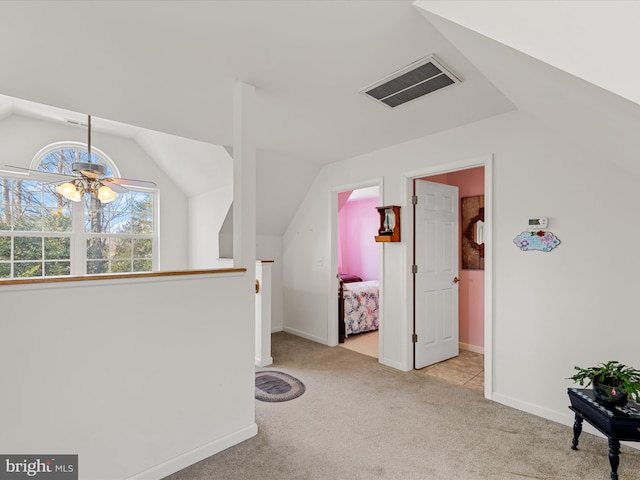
x,y
615,423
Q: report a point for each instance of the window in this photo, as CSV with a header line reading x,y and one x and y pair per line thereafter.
x,y
44,234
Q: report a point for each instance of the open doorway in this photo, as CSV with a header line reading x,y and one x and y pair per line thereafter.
x,y
358,270
464,363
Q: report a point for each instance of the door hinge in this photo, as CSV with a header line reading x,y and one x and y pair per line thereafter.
x,y
414,199
414,338
414,269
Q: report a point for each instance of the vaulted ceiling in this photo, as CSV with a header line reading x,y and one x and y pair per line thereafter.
x,y
170,67
547,59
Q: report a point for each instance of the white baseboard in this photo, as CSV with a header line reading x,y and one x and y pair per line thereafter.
x,y
299,333
563,418
393,364
197,454
471,348
264,362
276,329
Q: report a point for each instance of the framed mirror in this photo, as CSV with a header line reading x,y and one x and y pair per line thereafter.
x,y
472,216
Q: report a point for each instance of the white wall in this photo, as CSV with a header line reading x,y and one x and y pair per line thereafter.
x,y
206,215
21,138
572,306
118,372
269,247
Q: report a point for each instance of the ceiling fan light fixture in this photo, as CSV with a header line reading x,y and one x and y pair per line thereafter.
x,y
69,191
106,195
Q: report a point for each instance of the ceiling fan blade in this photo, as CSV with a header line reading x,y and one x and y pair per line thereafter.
x,y
131,182
39,176
114,186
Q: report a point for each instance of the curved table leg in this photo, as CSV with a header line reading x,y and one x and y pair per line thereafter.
x,y
614,457
577,430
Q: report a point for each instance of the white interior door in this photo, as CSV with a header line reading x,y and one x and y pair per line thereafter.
x,y
436,280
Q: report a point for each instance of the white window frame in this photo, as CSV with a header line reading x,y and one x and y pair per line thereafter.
x,y
78,236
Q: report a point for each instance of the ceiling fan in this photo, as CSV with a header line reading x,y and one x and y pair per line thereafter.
x,y
88,177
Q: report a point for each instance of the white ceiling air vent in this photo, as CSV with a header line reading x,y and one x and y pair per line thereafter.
x,y
413,81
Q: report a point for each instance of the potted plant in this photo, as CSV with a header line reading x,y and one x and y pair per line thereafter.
x,y
613,382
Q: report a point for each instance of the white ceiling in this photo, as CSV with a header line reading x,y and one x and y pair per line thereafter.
x,y
170,66
590,117
592,39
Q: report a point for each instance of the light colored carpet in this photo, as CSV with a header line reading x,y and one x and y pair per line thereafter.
x,y
359,420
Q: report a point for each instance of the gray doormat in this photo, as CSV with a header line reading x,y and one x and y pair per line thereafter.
x,y
272,386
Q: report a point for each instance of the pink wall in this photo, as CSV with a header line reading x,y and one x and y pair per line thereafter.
x,y
471,286
358,252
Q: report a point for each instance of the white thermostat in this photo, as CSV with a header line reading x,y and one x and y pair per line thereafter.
x,y
540,223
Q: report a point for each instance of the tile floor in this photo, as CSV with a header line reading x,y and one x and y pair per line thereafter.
x,y
365,343
467,369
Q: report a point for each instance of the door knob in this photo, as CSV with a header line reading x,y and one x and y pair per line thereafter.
x,y
455,280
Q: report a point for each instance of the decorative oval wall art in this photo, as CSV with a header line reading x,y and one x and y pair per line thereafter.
x,y
543,241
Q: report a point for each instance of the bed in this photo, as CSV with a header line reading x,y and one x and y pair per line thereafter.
x,y
357,305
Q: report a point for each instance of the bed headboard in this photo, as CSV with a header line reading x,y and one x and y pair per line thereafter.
x,y
348,278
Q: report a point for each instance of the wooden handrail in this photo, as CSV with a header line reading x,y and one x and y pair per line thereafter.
x,y
114,276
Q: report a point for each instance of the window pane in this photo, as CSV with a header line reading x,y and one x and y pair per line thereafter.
x,y
52,198
57,248
142,265
121,248
28,218
30,190
5,270
57,268
60,160
142,248
99,266
120,266
28,269
95,220
27,248
5,216
6,186
5,248
142,213
116,215
57,220
97,248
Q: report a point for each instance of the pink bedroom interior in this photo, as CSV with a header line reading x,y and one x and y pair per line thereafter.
x,y
358,253
358,223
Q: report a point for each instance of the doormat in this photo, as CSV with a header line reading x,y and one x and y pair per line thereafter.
x,y
272,386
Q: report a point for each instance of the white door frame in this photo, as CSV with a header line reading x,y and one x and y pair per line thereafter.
x,y
486,162
332,305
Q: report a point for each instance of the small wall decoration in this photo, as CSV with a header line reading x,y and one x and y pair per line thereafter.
x,y
472,213
540,240
389,230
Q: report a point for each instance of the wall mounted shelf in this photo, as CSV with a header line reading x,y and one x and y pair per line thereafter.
x,y
389,230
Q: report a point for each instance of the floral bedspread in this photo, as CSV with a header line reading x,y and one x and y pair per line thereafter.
x,y
361,306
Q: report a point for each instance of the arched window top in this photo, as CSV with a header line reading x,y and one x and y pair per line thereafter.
x,y
59,157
